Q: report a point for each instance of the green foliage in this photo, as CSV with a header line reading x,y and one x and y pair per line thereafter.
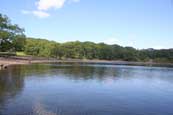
x,y
40,47
20,54
8,32
90,50
7,54
19,42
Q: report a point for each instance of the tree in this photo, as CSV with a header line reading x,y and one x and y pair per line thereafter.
x,y
19,42
58,51
8,32
90,50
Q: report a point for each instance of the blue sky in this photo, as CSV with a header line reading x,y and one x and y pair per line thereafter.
x,y
137,23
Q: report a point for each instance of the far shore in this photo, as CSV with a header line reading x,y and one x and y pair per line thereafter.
x,y
5,62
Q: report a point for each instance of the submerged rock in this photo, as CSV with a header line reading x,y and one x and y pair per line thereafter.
x,y
3,66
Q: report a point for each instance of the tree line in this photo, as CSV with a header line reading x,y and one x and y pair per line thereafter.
x,y
12,39
90,50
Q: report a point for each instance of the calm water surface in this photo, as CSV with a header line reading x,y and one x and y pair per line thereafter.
x,y
84,89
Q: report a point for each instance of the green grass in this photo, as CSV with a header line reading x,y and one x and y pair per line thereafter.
x,y
20,54
6,54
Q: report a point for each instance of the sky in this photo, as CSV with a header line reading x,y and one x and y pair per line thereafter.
x,y
137,23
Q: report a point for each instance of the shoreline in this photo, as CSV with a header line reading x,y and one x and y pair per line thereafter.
x,y
5,62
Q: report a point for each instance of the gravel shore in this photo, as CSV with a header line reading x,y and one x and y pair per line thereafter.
x,y
5,62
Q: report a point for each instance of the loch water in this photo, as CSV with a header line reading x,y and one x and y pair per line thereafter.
x,y
86,89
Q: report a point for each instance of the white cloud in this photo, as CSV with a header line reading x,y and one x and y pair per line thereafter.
x,y
119,40
40,14
159,47
48,4
112,41
43,5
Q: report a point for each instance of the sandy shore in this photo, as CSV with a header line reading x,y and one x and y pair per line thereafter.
x,y
5,62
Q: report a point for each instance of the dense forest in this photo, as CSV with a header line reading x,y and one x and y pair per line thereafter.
x,y
12,39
